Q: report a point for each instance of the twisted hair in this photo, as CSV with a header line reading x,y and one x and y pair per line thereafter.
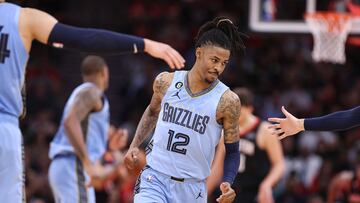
x,y
220,32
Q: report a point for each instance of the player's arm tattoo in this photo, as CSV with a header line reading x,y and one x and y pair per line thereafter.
x,y
85,101
228,113
150,116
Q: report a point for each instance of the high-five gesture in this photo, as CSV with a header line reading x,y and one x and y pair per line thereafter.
x,y
287,126
165,52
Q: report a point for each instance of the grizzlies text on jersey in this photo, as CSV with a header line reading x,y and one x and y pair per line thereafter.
x,y
186,132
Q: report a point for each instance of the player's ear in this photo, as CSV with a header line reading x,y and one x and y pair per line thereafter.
x,y
198,52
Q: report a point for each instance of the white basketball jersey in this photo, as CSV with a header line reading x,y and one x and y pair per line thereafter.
x,y
186,132
13,59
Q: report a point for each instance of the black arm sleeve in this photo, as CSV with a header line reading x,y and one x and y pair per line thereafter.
x,y
231,162
91,40
340,120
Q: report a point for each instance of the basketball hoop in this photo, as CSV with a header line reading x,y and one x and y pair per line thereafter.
x,y
330,31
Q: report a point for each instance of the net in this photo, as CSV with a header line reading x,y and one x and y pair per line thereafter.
x,y
330,30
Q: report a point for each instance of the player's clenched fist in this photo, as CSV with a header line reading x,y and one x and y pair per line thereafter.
x,y
131,157
227,193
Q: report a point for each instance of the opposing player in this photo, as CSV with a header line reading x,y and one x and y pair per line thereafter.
x,y
82,136
188,110
18,28
261,157
291,125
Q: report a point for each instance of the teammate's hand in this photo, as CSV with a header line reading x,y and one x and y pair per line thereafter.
x,y
284,127
131,157
164,52
265,194
227,193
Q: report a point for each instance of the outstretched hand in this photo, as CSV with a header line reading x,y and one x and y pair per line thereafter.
x,y
284,127
164,52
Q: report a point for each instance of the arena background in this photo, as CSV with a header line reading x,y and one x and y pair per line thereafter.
x,y
277,67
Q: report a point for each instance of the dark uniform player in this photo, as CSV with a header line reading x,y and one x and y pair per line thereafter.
x,y
261,157
256,162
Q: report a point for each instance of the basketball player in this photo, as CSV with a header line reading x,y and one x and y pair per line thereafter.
x,y
261,157
188,110
291,125
82,136
18,28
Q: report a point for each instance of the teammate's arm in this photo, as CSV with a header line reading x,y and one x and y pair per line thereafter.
x,y
86,101
228,113
271,145
36,24
291,125
150,116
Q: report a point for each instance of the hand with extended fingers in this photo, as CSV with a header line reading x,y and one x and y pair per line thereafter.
x,y
284,127
165,52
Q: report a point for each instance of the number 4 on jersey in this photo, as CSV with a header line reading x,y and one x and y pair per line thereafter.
x,y
4,52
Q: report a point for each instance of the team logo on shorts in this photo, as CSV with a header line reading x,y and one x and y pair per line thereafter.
x,y
149,178
178,85
199,195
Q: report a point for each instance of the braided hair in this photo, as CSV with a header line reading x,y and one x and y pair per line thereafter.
x,y
220,32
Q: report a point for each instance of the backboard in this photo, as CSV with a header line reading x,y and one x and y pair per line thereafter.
x,y
287,16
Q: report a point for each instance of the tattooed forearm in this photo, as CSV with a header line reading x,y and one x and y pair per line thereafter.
x,y
150,116
146,125
228,112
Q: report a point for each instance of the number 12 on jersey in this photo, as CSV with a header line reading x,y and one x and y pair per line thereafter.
x,y
176,145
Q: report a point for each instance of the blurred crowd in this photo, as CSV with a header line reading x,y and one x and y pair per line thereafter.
x,y
277,68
